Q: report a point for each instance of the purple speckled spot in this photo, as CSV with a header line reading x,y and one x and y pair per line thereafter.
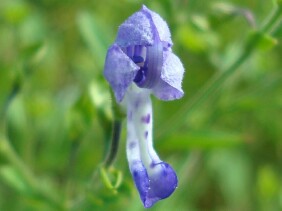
x,y
132,144
129,117
137,104
146,134
146,119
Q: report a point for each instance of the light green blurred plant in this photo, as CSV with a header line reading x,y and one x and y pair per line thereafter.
x,y
56,117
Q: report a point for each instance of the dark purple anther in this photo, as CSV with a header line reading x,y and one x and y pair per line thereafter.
x,y
141,75
137,59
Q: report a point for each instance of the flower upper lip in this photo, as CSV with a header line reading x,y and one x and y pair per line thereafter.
x,y
142,28
162,71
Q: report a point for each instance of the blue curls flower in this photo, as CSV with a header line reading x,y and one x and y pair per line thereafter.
x,y
138,64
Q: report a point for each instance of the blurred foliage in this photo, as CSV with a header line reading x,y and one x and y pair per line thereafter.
x,y
55,107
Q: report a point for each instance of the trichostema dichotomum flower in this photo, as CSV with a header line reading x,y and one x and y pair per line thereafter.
x,y
138,64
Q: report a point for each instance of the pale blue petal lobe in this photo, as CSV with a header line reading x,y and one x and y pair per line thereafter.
x,y
160,25
136,30
173,70
163,182
119,71
164,91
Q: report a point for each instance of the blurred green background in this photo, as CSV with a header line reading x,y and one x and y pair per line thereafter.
x,y
55,121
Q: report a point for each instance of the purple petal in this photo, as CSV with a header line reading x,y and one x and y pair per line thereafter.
x,y
173,70
119,71
136,30
165,92
160,184
141,28
169,87
160,25
154,61
141,179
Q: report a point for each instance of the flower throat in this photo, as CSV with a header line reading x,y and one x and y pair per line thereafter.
x,y
149,59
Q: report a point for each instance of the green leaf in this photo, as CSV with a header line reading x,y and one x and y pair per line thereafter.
x,y
112,178
267,182
31,50
279,3
265,41
191,38
12,178
94,36
201,140
14,11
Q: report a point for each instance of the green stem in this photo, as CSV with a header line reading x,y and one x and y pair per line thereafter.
x,y
272,20
215,82
13,93
117,126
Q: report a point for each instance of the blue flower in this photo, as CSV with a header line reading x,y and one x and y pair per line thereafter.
x,y
138,64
